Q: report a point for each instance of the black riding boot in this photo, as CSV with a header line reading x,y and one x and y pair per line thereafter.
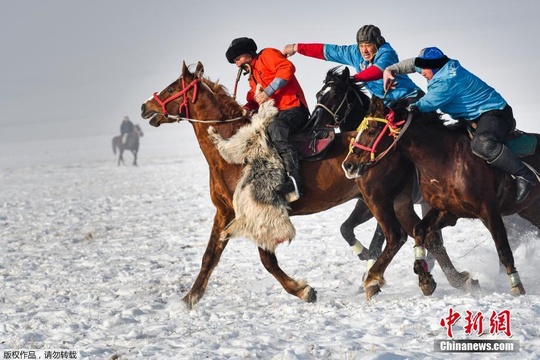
x,y
508,162
294,181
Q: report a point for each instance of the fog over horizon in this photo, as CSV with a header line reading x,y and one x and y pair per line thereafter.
x,y
75,69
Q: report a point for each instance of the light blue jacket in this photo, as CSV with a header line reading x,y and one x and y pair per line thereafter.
x,y
456,92
385,56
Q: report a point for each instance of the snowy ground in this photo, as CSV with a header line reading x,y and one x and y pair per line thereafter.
x,y
95,258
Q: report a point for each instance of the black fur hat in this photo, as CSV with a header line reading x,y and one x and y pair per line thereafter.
x,y
240,46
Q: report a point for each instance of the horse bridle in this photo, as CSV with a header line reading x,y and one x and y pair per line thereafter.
x,y
335,114
391,127
185,104
173,97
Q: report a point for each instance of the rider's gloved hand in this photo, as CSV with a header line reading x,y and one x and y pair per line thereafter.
x,y
389,80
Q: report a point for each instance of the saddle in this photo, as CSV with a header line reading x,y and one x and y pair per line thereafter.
x,y
313,140
520,142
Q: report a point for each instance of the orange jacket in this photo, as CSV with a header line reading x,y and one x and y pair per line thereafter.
x,y
267,65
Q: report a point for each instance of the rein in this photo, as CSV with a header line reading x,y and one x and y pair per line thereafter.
x,y
390,126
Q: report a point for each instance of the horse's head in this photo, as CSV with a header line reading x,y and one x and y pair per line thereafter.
x,y
376,136
137,129
340,102
172,103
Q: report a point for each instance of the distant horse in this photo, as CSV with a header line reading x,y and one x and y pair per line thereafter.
x,y
132,144
203,103
338,101
455,182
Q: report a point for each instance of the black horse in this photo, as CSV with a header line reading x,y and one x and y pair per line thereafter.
x,y
132,144
342,103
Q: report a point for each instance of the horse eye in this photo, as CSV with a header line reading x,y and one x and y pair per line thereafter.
x,y
170,90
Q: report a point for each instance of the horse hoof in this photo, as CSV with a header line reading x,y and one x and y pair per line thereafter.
x,y
364,255
372,291
473,286
190,300
309,294
427,284
518,290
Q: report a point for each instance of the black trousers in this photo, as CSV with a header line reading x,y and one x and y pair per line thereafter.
x,y
285,124
492,128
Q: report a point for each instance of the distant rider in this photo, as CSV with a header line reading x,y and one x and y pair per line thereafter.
x,y
125,129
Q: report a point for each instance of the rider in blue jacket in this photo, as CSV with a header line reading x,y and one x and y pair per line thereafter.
x,y
455,91
369,56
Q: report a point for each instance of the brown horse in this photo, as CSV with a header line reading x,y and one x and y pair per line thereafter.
x,y
195,98
132,144
339,101
455,182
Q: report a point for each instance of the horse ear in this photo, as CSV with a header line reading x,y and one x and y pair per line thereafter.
x,y
184,68
199,70
377,104
346,72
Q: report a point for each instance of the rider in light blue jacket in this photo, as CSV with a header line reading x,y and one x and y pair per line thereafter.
x,y
455,91
369,56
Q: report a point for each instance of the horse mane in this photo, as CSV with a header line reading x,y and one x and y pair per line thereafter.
x,y
341,76
226,101
433,119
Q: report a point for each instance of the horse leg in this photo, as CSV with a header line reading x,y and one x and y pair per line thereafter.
x,y
121,157
493,221
298,288
426,234
134,158
435,246
360,215
516,224
532,213
395,238
210,259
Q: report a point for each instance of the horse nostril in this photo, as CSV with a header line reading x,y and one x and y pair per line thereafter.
x,y
347,166
143,108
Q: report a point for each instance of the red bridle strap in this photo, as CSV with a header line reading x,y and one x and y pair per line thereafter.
x,y
390,126
173,97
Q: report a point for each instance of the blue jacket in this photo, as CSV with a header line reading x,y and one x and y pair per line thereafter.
x,y
385,56
458,93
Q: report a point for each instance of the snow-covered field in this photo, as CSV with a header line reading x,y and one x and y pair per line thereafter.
x,y
95,258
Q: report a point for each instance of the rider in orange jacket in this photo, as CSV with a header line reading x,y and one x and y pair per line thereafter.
x,y
271,76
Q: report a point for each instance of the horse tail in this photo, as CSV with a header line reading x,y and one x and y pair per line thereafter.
x,y
114,146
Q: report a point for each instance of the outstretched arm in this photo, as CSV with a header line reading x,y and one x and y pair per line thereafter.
x,y
311,50
403,67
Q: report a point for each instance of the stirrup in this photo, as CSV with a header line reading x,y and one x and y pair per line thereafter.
x,y
293,195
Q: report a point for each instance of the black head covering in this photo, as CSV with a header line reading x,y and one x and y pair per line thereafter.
x,y
240,46
370,33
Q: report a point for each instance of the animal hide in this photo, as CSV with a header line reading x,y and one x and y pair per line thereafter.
x,y
261,214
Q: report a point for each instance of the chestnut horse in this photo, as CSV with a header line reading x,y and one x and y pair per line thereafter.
x,y
455,182
203,103
339,99
132,144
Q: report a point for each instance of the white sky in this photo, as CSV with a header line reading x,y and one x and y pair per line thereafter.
x,y
73,68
